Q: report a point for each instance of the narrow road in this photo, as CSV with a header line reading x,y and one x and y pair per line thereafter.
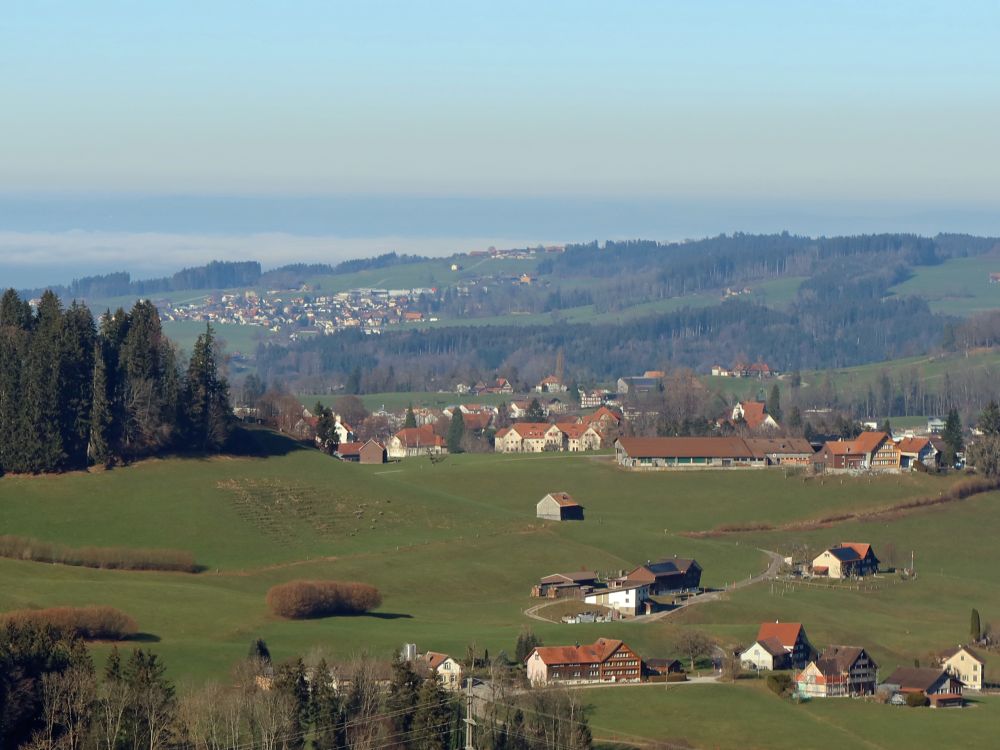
x,y
775,562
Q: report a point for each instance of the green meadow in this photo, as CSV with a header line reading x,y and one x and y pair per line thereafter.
x,y
454,548
960,286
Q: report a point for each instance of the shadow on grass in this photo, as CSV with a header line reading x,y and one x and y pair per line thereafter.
x,y
260,442
143,638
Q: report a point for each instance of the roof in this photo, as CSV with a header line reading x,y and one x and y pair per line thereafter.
x,y
861,548
349,449
868,442
416,437
754,413
844,554
840,447
839,658
773,646
579,576
434,659
763,447
952,651
532,430
787,633
563,499
593,653
685,447
914,444
602,414
477,420
916,678
573,430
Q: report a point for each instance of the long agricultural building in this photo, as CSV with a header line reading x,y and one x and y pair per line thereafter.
x,y
712,452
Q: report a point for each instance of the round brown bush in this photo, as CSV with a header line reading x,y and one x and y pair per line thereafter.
x,y
90,623
302,599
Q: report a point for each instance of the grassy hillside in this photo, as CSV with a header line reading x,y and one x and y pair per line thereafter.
x,y
454,547
957,287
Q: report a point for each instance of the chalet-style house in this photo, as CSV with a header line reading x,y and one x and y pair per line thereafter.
x,y
416,441
606,660
684,453
579,437
966,665
627,599
839,671
559,506
941,688
566,585
754,415
448,671
914,450
666,575
369,452
528,437
869,451
846,560
795,649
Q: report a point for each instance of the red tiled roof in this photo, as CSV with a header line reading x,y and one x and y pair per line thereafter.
x,y
433,659
349,449
786,632
860,547
913,444
477,420
573,430
594,653
419,437
840,447
531,429
754,413
868,442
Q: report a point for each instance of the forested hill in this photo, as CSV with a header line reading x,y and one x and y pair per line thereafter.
x,y
843,313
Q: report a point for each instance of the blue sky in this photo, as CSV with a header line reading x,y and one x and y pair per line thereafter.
x,y
869,106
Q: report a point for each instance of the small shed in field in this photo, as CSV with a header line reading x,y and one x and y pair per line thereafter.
x,y
559,506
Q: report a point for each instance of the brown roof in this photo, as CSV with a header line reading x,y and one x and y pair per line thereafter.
x,y
477,420
686,447
563,498
916,678
572,430
349,449
840,658
773,646
786,632
577,577
840,447
763,447
594,653
952,651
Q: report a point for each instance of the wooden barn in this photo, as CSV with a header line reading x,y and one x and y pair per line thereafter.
x,y
559,506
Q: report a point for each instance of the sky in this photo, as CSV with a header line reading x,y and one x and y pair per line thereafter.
x,y
337,128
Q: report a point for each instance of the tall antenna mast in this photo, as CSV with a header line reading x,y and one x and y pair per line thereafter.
x,y
469,721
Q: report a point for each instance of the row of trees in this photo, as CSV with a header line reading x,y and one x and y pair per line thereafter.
x,y
73,393
53,698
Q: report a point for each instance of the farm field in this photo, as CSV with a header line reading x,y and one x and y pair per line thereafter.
x,y
454,547
397,401
755,719
959,286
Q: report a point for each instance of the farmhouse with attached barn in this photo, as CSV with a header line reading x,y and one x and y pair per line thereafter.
x,y
416,441
606,660
667,575
839,671
565,585
790,636
940,687
846,560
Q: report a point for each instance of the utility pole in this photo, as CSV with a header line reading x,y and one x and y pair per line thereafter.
x,y
469,721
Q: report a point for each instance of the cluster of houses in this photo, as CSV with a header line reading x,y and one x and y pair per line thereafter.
x,y
849,671
295,311
627,594
744,369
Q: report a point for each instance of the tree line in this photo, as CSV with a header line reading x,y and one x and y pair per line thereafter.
x,y
75,393
53,697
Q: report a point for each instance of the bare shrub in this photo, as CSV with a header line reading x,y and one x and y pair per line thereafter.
x,y
111,558
91,623
303,599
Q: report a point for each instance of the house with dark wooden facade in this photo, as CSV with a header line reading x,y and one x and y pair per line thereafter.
x,y
606,660
667,575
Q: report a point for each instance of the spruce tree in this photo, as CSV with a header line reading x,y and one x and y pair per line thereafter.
x,y
208,419
535,412
40,416
430,720
456,432
989,419
952,436
975,626
411,418
76,381
101,416
774,403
